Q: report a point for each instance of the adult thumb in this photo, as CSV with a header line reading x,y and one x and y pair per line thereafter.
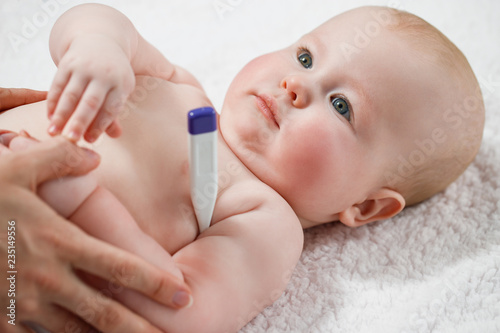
x,y
51,159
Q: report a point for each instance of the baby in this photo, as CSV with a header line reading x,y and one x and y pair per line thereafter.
x,y
372,111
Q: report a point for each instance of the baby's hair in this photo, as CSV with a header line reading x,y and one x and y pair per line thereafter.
x,y
449,162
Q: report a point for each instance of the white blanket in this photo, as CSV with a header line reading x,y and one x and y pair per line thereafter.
x,y
433,268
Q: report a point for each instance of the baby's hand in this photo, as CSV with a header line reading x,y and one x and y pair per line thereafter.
x,y
92,83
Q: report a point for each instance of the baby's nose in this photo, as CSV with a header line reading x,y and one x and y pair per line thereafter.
x,y
297,90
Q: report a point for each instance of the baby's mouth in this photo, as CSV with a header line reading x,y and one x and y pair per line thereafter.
x,y
268,107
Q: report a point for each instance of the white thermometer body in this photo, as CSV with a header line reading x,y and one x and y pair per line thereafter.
x,y
202,126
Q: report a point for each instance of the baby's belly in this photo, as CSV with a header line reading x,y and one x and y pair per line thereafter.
x,y
153,152
147,167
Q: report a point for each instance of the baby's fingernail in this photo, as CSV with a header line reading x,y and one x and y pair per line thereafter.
x,y
90,138
53,130
182,299
72,136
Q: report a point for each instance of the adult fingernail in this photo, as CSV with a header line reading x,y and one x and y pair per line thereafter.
x,y
182,299
91,154
6,137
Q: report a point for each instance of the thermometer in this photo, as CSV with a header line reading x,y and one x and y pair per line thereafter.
x,y
202,126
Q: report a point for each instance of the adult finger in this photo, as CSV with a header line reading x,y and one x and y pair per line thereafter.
x,y
3,149
130,271
55,319
4,144
12,97
49,160
100,311
6,137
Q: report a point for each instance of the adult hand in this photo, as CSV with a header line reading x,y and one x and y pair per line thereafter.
x,y
39,252
10,98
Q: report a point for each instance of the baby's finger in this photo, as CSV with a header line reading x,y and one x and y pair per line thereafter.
x,y
107,115
98,126
86,111
67,104
114,130
56,89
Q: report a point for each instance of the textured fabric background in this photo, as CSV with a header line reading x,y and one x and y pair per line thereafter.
x,y
435,267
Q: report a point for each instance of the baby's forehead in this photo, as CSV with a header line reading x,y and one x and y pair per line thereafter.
x,y
357,26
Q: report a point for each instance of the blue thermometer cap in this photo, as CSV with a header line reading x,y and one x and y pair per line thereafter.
x,y
202,120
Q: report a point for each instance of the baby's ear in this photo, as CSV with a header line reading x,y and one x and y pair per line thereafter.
x,y
381,204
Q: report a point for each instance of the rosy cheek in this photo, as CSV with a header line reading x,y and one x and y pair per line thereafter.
x,y
309,155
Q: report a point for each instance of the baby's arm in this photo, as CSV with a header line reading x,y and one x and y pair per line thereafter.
x,y
103,216
236,268
98,52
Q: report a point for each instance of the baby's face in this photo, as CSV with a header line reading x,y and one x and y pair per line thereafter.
x,y
320,121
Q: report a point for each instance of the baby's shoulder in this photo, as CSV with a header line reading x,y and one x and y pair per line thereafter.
x,y
252,201
153,94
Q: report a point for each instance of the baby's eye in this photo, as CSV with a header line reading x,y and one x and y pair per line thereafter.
x,y
305,58
341,106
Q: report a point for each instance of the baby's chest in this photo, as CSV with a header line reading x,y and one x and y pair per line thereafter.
x,y
153,184
147,168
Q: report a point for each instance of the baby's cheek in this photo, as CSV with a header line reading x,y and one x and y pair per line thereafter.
x,y
309,157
